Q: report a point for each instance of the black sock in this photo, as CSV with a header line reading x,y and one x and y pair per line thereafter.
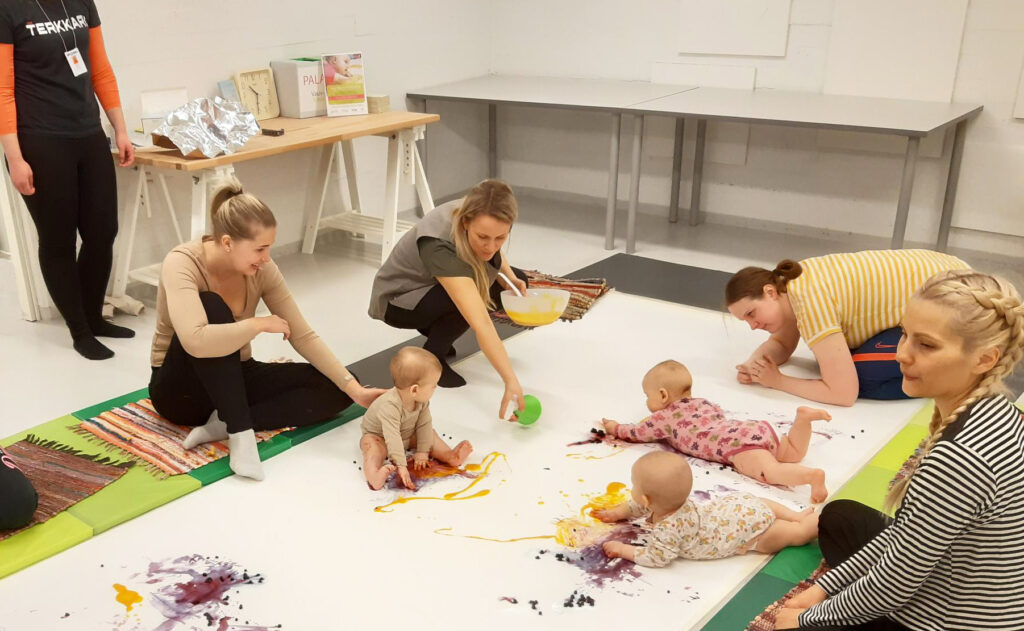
x,y
91,348
450,378
109,329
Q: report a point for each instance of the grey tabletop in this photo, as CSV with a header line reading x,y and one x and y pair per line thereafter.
x,y
806,109
601,94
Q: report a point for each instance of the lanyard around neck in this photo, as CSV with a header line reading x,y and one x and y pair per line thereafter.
x,y
63,43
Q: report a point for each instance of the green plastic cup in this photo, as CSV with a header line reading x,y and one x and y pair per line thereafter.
x,y
531,412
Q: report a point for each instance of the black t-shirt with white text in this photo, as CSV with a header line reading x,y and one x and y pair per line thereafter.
x,y
50,98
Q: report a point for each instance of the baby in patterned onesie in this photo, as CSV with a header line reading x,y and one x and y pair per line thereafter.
x,y
723,527
699,428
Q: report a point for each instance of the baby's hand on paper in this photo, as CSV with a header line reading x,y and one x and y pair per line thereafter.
x,y
419,461
610,426
403,474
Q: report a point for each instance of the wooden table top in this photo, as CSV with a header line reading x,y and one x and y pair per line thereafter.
x,y
299,133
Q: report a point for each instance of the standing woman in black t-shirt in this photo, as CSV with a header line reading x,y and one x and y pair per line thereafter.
x,y
52,67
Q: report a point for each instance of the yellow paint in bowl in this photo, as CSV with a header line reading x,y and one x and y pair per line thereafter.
x,y
537,308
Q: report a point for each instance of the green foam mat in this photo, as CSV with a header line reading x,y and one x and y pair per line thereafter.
x,y
220,469
759,592
896,452
41,541
794,564
923,416
302,434
135,493
869,487
99,408
59,429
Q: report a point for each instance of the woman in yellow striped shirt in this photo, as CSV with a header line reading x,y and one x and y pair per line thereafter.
x,y
847,308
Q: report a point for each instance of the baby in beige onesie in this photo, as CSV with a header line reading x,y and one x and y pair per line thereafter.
x,y
400,419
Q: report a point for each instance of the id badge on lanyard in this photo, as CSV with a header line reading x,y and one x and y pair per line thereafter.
x,y
76,62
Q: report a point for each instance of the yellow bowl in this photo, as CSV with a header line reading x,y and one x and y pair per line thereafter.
x,y
537,308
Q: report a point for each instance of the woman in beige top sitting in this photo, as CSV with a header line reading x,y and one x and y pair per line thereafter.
x,y
203,372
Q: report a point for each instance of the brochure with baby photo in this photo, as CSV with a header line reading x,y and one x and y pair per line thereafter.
x,y
345,86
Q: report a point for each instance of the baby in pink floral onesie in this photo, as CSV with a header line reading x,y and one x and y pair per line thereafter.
x,y
699,428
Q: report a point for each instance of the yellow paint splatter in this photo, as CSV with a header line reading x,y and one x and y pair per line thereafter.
x,y
447,532
587,455
484,467
127,597
616,493
573,532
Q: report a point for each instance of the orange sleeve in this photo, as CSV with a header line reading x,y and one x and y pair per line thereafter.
x,y
8,110
103,80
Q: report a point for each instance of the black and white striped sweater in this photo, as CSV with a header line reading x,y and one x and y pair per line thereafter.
x,y
954,556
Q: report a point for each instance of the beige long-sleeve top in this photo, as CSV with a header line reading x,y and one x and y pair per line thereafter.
x,y
387,417
180,311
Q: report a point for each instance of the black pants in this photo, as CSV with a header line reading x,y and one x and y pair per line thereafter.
x,y
18,498
246,394
76,194
437,317
844,527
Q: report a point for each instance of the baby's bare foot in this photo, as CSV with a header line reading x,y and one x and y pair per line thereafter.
x,y
808,414
818,491
377,479
460,453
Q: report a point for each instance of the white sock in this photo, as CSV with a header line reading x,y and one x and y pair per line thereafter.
x,y
245,457
214,430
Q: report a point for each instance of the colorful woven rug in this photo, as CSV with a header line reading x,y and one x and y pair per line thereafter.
x,y
154,441
584,293
766,621
61,475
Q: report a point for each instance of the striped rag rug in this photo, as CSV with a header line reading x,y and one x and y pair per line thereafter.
x,y
766,620
583,294
61,475
153,441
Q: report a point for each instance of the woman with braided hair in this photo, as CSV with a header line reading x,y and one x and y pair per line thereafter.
x,y
846,307
953,556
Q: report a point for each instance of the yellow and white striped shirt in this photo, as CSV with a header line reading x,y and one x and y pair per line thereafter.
x,y
860,294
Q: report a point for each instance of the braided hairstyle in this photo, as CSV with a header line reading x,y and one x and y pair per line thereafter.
x,y
987,314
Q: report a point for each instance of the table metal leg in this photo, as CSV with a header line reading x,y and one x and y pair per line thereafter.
x,y
899,228
319,178
634,185
492,140
951,183
613,183
390,197
197,222
677,166
421,154
698,171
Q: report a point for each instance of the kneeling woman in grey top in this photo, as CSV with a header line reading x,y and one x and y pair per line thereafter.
x,y
442,279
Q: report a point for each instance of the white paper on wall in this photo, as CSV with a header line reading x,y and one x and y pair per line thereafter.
x,y
734,27
901,49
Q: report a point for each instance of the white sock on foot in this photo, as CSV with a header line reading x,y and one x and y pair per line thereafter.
x,y
245,457
214,430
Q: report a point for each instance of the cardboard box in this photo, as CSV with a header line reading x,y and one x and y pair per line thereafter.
x,y
300,87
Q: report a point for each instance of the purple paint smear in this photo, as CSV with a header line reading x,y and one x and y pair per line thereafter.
x,y
595,563
435,471
192,590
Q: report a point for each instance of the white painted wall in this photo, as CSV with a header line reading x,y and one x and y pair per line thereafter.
x,y
194,43
790,175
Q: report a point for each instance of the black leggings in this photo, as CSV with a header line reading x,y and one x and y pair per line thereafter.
x,y
246,394
18,497
844,527
437,317
76,194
